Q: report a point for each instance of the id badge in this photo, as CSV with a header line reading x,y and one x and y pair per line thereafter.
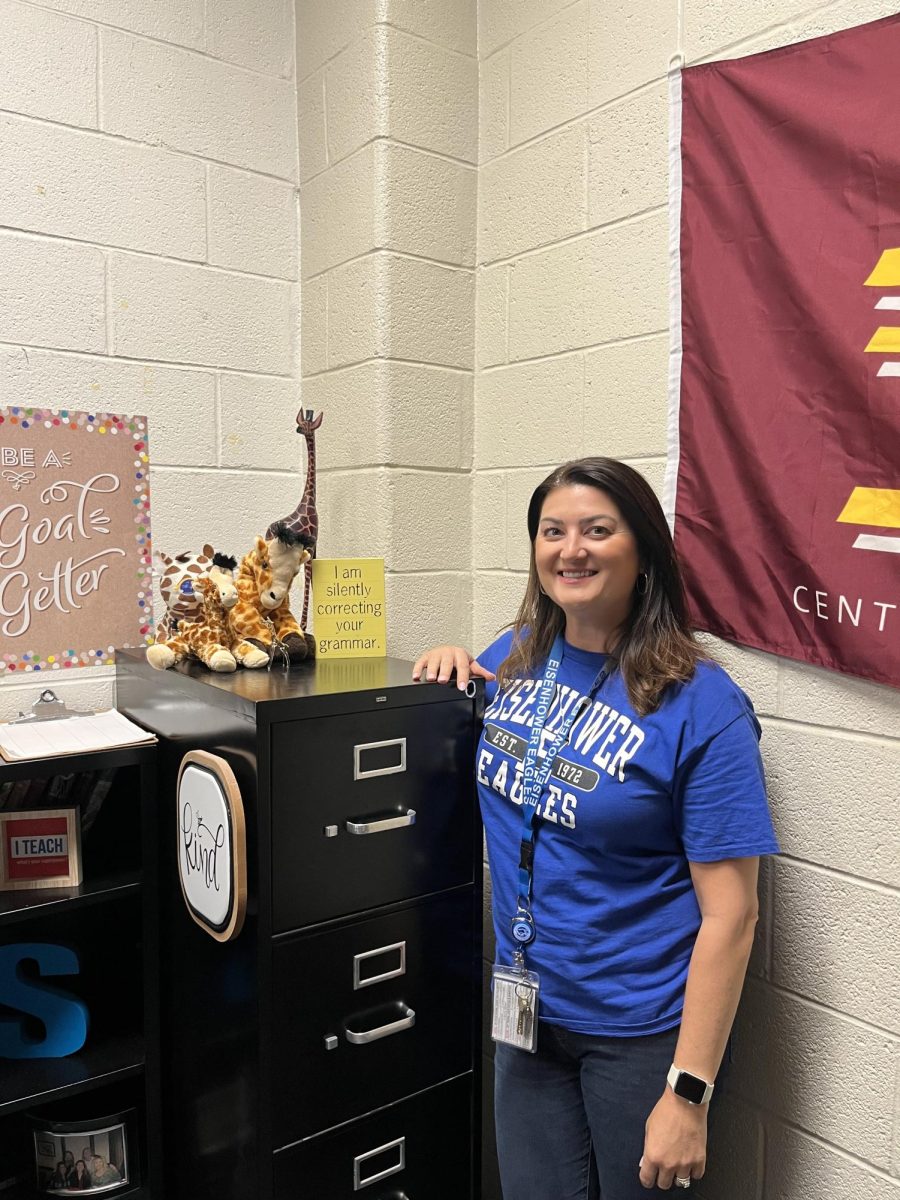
x,y
514,1014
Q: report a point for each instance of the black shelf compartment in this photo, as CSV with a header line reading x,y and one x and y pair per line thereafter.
x,y
115,1092
107,939
16,906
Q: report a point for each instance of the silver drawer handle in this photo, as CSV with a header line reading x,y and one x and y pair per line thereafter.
x,y
408,818
383,1031
360,772
360,1182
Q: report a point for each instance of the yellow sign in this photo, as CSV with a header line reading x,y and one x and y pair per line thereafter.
x,y
349,608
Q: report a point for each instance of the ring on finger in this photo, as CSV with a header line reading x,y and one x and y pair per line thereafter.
x,y
683,1181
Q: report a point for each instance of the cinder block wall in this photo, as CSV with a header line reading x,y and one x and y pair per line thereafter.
x,y
571,341
388,98
149,252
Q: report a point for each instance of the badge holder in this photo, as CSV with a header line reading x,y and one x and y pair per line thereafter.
x,y
515,1007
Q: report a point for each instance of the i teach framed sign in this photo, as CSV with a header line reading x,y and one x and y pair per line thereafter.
x,y
75,550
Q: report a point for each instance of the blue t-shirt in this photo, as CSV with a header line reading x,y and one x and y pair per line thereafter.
x,y
630,802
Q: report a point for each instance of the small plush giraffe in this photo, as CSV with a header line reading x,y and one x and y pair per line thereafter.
x,y
178,574
262,617
304,520
207,636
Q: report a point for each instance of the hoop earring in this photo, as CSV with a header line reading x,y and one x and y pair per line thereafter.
x,y
642,584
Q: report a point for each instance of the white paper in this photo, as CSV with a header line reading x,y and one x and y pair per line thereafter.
x,y
71,735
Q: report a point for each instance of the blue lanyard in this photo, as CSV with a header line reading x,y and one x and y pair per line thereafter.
x,y
534,780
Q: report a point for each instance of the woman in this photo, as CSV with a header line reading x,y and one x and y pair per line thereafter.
x,y
637,761
81,1181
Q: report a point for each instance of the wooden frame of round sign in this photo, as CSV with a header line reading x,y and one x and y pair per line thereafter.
x,y
212,844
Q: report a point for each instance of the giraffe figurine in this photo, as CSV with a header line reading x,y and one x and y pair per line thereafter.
x,y
304,520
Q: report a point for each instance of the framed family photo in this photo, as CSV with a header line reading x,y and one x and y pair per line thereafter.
x,y
83,1158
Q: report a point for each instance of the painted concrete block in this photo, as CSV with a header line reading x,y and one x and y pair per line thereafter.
x,y
799,1168
252,223
493,106
489,520
258,36
549,74
52,294
625,398
355,516
397,414
499,21
533,196
160,94
629,157
834,799
626,280
432,96
449,25
179,21
530,413
627,48
384,306
325,29
815,695
426,610
179,404
311,126
496,599
430,520
49,65
822,1072
356,97
547,301
314,325
490,319
149,200
338,213
732,35
90,688
836,942
257,424
426,205
187,314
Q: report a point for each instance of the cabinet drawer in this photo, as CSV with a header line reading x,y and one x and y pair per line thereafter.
x,y
370,809
418,1150
370,1012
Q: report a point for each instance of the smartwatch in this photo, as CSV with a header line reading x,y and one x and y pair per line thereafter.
x,y
689,1087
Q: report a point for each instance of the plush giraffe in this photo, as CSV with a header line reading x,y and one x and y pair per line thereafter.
x,y
304,520
207,636
178,574
262,618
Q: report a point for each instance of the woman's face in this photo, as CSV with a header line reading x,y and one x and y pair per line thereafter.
x,y
586,556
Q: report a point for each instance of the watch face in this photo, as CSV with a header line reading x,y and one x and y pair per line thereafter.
x,y
690,1088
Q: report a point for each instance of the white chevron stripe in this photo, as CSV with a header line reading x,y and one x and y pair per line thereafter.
x,y
888,302
870,541
889,368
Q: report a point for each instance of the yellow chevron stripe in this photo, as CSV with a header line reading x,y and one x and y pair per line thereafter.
x,y
885,340
873,506
887,270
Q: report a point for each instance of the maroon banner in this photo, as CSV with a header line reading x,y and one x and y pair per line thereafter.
x,y
787,500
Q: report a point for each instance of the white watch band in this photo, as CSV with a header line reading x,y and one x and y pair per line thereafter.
x,y
675,1074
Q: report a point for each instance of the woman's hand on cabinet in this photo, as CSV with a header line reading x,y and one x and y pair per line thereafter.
x,y
441,662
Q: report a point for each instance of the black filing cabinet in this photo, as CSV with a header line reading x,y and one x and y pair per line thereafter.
x,y
330,1050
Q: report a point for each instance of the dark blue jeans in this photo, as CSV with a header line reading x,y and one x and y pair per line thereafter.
x,y
570,1119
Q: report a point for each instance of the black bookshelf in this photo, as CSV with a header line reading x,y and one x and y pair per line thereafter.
x,y
111,921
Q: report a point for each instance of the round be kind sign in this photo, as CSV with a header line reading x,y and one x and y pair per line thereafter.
x,y
75,575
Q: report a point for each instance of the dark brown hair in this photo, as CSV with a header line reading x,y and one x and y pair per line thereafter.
x,y
656,646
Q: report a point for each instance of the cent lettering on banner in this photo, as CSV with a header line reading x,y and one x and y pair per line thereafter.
x,y
75,575
212,844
